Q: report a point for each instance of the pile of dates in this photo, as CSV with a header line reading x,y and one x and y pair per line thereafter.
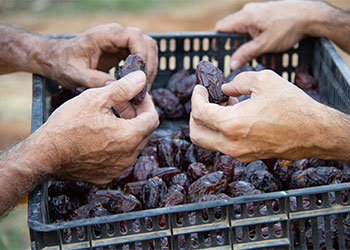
x,y
172,171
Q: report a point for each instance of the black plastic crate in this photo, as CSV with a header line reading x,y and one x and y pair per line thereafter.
x,y
226,228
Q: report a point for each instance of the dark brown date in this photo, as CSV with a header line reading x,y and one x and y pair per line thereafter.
x,y
153,192
183,90
196,170
123,203
166,174
168,102
284,169
264,181
316,177
176,79
134,188
171,152
212,183
239,188
133,63
173,198
303,79
60,206
181,180
212,78
204,155
150,151
225,164
143,168
164,133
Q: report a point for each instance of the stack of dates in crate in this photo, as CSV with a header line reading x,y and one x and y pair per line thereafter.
x,y
172,171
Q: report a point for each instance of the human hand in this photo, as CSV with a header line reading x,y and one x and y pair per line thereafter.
x,y
91,143
83,60
278,121
273,26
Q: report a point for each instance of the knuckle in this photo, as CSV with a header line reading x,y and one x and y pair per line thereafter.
x,y
136,31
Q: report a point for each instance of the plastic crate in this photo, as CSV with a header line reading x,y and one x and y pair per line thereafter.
x,y
184,50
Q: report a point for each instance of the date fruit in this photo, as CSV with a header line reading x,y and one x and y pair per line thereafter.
x,y
212,78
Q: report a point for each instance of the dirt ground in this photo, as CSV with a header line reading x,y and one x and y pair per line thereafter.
x,y
16,90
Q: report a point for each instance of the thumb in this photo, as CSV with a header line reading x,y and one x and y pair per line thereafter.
x,y
247,52
125,89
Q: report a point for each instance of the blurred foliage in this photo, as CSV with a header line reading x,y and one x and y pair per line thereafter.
x,y
77,6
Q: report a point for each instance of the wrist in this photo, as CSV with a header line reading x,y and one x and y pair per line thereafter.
x,y
331,134
44,57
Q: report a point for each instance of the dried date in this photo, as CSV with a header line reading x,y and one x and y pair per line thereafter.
x,y
181,180
212,183
153,192
133,63
168,103
134,188
176,79
123,203
171,152
143,168
166,174
239,188
225,164
212,78
196,170
183,90
204,155
264,181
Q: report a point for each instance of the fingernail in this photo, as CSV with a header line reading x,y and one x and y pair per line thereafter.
x,y
108,83
137,77
235,64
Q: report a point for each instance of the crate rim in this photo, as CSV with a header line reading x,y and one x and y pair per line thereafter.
x,y
42,227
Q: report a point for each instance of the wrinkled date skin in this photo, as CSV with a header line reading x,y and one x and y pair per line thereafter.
x,y
212,183
168,102
196,170
212,78
162,134
123,203
176,79
239,188
133,63
183,90
181,180
284,169
173,198
166,174
225,164
171,152
153,192
134,188
264,181
316,177
143,168
204,155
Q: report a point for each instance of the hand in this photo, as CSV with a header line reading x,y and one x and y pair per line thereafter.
x,y
83,60
273,26
91,143
278,121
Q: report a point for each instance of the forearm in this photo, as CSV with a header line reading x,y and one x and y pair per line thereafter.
x,y
332,135
21,50
332,23
24,166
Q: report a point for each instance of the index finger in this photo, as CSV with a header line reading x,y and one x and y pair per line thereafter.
x,y
236,22
205,113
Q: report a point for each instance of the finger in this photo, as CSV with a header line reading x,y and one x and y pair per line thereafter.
x,y
93,78
204,137
232,101
152,60
243,84
203,112
125,110
146,120
247,52
237,22
124,89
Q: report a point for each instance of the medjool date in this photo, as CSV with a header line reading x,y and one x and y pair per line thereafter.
x,y
125,177
196,170
212,183
133,63
143,168
183,90
212,78
152,192
134,188
171,152
168,102
176,78
264,181
204,155
162,134
181,180
239,188
166,174
225,164
123,203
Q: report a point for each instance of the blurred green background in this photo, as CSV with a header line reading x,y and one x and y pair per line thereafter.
x,y
74,16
